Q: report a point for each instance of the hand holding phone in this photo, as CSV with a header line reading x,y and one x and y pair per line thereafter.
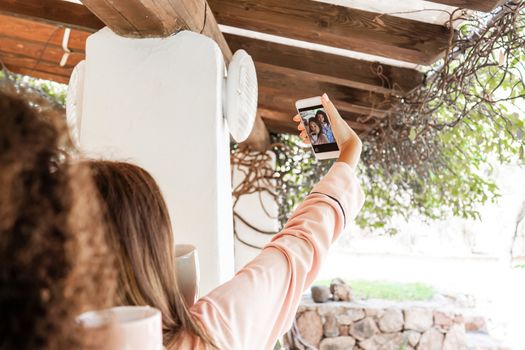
x,y
348,142
316,123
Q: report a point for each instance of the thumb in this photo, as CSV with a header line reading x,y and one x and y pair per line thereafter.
x,y
340,127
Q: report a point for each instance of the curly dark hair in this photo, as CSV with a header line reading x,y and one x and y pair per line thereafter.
x,y
54,260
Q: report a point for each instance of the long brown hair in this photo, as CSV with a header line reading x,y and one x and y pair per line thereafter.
x,y
141,235
54,261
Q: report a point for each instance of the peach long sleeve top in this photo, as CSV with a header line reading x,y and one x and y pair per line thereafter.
x,y
255,307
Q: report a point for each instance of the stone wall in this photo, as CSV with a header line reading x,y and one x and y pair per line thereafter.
x,y
358,326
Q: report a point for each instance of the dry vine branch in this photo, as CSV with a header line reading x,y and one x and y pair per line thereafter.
x,y
480,72
408,139
283,172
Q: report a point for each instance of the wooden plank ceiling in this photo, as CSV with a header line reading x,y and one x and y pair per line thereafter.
x,y
363,60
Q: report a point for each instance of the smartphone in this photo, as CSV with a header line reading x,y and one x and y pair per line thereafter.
x,y
318,126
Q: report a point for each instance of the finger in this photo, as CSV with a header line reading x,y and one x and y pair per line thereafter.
x,y
300,127
305,139
303,134
330,108
297,118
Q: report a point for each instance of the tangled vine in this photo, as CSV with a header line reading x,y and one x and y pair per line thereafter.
x,y
430,153
286,173
409,136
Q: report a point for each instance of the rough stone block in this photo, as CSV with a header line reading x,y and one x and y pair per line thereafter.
x,y
475,324
418,319
364,329
443,320
412,337
431,340
455,339
350,315
392,341
320,294
330,328
310,327
391,321
374,312
337,343
340,290
343,330
329,309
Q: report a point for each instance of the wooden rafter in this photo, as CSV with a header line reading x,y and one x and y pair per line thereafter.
x,y
135,18
282,120
150,18
342,70
51,55
55,12
37,32
34,48
280,87
273,81
276,126
337,26
285,73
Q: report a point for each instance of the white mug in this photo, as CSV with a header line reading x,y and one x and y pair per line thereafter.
x,y
134,327
187,268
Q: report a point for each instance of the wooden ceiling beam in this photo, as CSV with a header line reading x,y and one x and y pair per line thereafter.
x,y
38,32
38,51
11,59
284,120
274,81
130,18
154,18
284,100
338,26
342,70
277,126
478,5
54,12
283,103
38,74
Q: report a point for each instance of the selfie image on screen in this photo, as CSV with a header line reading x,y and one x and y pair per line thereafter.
x,y
318,127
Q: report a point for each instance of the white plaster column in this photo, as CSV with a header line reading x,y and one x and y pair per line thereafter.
x,y
158,103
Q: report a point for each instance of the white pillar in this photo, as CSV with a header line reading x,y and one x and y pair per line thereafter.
x,y
158,103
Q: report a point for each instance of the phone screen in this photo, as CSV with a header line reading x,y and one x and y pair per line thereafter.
x,y
319,129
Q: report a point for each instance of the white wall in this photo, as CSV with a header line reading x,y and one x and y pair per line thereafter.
x,y
157,103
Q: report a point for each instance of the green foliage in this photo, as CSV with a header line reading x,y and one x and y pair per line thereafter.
x,y
54,92
437,160
365,289
298,171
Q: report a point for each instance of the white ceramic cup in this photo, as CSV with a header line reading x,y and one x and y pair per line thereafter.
x,y
135,327
187,268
